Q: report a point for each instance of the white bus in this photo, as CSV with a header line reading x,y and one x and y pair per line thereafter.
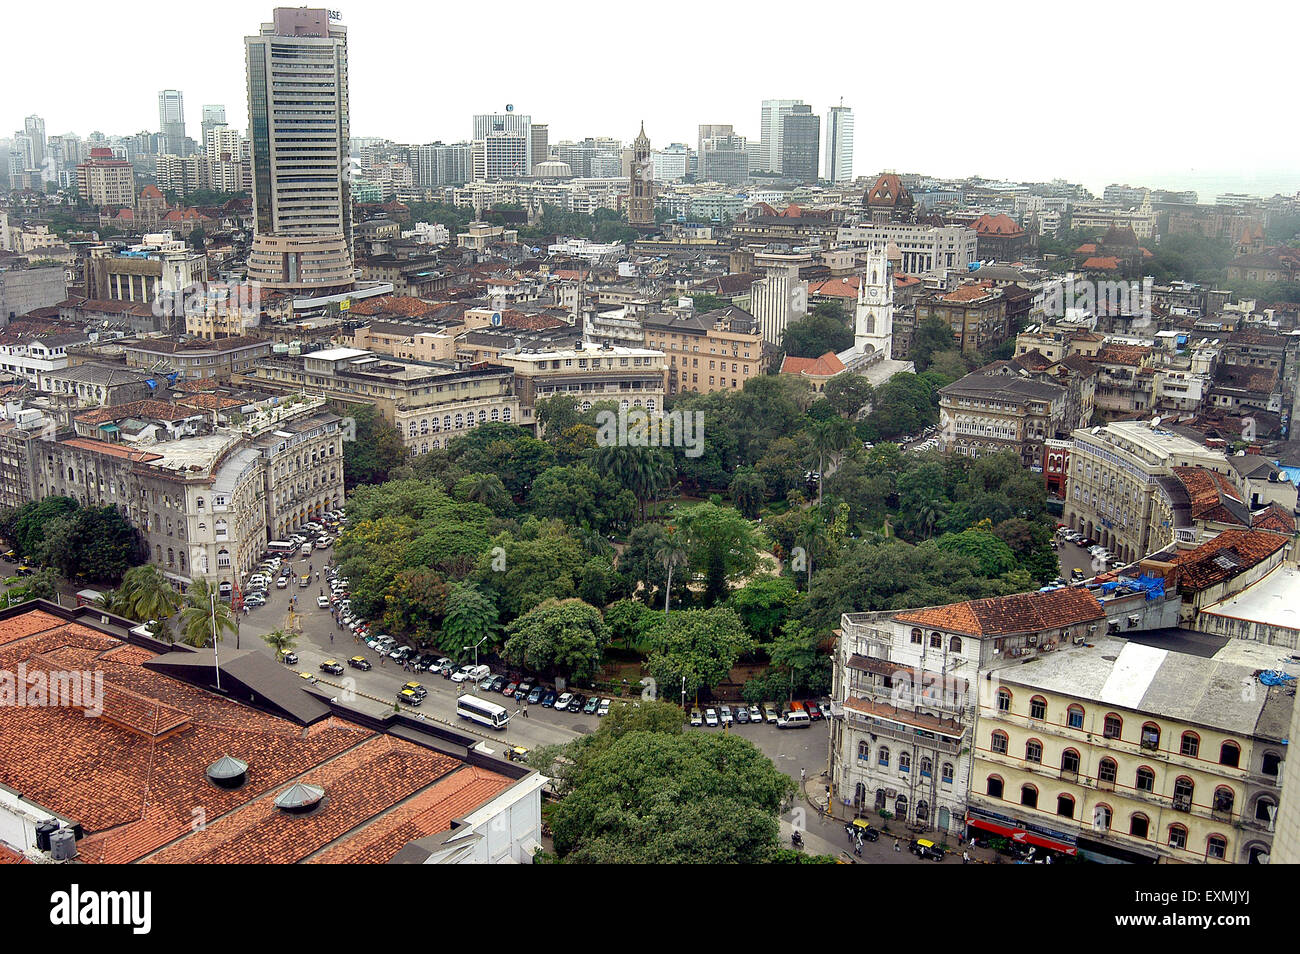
x,y
480,710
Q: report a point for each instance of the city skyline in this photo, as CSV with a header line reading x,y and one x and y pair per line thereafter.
x,y
909,127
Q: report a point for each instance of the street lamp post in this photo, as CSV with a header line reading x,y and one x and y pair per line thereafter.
x,y
475,648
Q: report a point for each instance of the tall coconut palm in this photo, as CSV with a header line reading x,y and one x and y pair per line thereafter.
x,y
203,615
671,552
488,490
830,438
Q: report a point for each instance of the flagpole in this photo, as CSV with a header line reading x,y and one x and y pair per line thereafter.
x,y
216,660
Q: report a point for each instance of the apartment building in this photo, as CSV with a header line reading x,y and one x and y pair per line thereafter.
x,y
925,250
1000,408
634,377
105,180
909,685
716,351
429,404
1165,749
1114,492
976,312
196,358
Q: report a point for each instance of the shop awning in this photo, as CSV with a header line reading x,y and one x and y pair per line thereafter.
x,y
1020,834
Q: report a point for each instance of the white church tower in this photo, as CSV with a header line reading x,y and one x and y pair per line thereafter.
x,y
873,327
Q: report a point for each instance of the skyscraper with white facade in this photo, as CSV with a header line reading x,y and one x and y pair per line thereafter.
x,y
839,144
298,127
510,124
772,130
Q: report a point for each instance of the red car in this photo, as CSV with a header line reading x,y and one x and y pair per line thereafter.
x,y
510,688
814,713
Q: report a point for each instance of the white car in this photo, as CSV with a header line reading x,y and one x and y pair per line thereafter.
x,y
711,718
727,717
603,710
755,714
562,703
323,602
463,674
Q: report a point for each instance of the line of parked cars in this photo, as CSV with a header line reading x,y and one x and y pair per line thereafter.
x,y
795,715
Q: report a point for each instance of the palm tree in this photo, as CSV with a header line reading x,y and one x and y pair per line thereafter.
x,y
203,615
830,438
488,490
146,594
280,641
671,552
811,537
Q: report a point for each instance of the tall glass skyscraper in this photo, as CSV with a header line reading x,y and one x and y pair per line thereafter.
x,y
298,127
839,144
171,120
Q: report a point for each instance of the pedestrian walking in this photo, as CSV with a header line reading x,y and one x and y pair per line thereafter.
x,y
965,857
896,845
803,774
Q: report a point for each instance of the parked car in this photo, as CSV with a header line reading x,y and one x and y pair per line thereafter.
x,y
577,702
755,714
332,667
770,714
534,696
548,698
323,602
290,659
603,708
563,701
726,716
592,705
697,717
509,689
742,715
359,662
402,653
711,718
813,710
282,582
825,708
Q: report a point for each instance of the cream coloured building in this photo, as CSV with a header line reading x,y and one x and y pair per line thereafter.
x,y
1168,749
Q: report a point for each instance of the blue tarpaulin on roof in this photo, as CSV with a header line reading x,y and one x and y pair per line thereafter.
x,y
1153,586
1275,677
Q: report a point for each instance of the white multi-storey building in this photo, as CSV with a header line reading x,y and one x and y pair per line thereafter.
x,y
839,144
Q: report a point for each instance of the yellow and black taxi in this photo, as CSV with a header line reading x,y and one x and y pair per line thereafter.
x,y
359,662
416,688
924,848
332,667
409,697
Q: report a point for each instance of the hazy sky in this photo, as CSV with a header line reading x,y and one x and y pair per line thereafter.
x,y
1150,94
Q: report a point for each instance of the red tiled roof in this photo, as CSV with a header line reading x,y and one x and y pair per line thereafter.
x,y
145,409
1275,518
134,777
1000,225
1206,491
1087,248
1104,263
1007,615
406,306
111,450
968,292
1230,553
151,192
1133,355
209,402
843,287
825,366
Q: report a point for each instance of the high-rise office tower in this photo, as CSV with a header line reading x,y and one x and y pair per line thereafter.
x,y
171,120
800,143
839,144
509,123
712,131
34,127
772,128
213,116
298,127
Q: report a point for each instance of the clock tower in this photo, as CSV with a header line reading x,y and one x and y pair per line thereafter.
x,y
873,327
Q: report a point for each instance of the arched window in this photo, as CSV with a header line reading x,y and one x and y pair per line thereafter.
x,y
1150,738
1034,751
994,786
1230,754
916,637
998,743
922,811
1272,761
1004,700
946,773
1065,806
1038,708
1177,836
1107,772
904,762
1029,796
1101,816
198,503
954,644
936,640
1265,809
1139,825
1216,847
882,756
1224,799
1191,745
900,806
1070,762
864,752
1112,726
1184,788
1074,717
1145,780
927,768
